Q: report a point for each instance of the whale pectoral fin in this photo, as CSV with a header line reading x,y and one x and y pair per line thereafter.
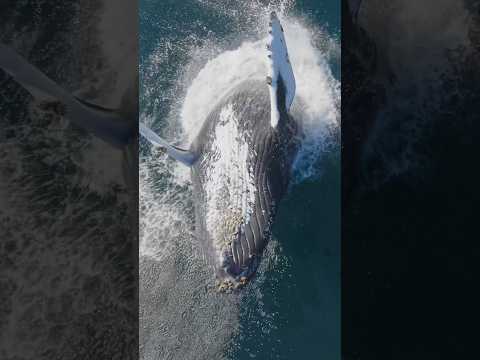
x,y
184,156
280,73
106,124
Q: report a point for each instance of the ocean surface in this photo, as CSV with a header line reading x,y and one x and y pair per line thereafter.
x,y
190,53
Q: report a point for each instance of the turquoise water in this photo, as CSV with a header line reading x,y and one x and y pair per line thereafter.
x,y
292,309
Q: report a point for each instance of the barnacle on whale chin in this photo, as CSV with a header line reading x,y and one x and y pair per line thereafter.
x,y
227,285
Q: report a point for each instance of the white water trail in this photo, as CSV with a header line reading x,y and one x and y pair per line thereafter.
x,y
180,315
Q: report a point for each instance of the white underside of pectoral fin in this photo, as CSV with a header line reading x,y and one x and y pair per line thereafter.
x,y
279,66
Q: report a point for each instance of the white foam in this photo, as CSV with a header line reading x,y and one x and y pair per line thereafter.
x,y
217,78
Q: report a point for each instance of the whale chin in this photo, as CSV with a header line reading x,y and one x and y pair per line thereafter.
x,y
230,276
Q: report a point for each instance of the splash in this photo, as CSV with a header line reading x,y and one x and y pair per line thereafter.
x,y
316,105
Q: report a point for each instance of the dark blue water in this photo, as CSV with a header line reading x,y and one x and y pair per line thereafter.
x,y
292,310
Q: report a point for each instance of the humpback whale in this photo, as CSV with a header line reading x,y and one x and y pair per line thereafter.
x,y
240,165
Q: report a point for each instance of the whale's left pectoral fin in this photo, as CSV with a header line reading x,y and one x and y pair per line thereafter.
x,y
107,124
184,156
280,77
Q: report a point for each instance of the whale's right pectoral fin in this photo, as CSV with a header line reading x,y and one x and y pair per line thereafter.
x,y
280,76
184,156
107,124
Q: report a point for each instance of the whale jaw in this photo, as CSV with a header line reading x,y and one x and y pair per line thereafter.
x,y
229,276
